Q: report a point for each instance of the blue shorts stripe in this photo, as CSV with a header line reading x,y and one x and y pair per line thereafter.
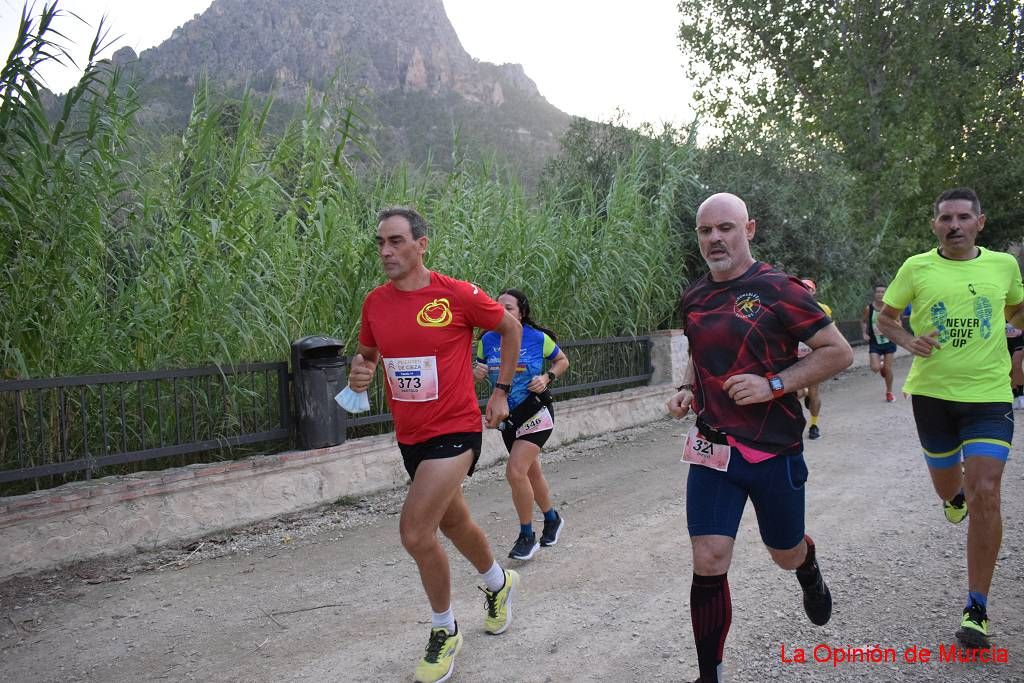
x,y
987,449
942,462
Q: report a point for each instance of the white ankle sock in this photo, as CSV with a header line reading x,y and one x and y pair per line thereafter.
x,y
494,577
445,620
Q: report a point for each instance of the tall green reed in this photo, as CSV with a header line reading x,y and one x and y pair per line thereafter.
x,y
230,241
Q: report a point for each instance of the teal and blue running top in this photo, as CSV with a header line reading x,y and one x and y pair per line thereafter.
x,y
536,347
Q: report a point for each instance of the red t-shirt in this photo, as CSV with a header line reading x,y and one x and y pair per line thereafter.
x,y
425,339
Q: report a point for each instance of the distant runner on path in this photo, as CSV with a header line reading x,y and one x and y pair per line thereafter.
x,y
812,394
420,323
880,347
959,380
744,320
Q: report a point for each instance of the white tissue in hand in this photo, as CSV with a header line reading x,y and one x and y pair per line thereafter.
x,y
352,401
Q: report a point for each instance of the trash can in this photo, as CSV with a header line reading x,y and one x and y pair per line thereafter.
x,y
318,374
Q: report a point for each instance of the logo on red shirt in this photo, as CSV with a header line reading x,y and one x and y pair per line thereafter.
x,y
437,313
747,306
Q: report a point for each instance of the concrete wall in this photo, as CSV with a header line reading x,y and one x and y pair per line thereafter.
x,y
118,515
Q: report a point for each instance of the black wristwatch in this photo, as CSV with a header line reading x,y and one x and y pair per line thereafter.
x,y
507,388
687,387
551,377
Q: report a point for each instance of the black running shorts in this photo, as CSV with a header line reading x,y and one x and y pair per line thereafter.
x,y
444,446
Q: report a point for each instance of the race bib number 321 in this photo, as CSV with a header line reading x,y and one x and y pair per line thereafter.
x,y
700,451
412,379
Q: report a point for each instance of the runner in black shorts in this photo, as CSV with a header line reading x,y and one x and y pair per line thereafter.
x,y
744,321
419,327
880,348
536,419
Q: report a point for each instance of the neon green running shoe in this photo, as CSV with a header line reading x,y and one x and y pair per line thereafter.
x,y
499,604
974,627
956,509
438,664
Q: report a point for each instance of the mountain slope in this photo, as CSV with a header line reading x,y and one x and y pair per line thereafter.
x,y
422,85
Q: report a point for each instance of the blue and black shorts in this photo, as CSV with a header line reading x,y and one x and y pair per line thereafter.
x,y
951,431
715,499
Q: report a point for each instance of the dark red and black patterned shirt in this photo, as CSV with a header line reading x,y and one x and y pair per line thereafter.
x,y
751,324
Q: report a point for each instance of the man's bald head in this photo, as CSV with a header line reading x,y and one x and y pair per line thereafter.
x,y
723,205
724,231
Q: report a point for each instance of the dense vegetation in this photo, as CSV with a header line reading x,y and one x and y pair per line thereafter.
x,y
880,105
124,248
226,243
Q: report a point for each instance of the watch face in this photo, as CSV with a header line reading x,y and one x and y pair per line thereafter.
x,y
775,383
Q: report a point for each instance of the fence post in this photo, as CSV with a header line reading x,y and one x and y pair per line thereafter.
x,y
669,356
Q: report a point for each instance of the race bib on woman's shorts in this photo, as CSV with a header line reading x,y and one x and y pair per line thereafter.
x,y
412,379
700,451
540,422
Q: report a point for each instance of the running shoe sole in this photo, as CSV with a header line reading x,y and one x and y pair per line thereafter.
x,y
954,514
558,532
533,551
972,638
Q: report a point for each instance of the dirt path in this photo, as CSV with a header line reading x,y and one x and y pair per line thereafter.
x,y
331,595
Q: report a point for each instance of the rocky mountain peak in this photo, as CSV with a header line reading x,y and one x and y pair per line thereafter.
x,y
387,45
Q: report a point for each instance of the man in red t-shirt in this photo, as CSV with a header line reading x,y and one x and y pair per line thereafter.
x,y
420,324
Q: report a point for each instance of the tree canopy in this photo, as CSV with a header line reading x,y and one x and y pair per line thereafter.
x,y
912,96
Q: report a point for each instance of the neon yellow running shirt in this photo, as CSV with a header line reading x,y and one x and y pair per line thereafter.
x,y
963,301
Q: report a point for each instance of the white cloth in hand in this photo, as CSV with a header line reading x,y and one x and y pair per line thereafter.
x,y
352,401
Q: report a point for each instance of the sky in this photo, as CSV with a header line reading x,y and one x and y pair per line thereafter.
x,y
588,58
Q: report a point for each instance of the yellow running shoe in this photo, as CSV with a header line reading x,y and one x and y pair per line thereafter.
x,y
438,664
974,627
499,604
956,509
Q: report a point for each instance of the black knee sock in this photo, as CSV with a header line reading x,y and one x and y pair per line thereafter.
x,y
807,573
711,614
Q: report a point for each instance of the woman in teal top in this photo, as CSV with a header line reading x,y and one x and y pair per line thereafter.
x,y
525,441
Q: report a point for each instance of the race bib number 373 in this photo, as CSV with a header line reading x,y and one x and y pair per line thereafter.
x,y
412,379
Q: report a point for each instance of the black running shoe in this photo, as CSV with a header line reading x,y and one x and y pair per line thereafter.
x,y
525,547
974,627
813,432
818,601
552,530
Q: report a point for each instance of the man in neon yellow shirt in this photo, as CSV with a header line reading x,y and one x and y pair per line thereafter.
x,y
961,397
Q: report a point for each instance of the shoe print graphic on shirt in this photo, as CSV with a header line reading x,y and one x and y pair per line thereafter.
x,y
939,316
983,309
